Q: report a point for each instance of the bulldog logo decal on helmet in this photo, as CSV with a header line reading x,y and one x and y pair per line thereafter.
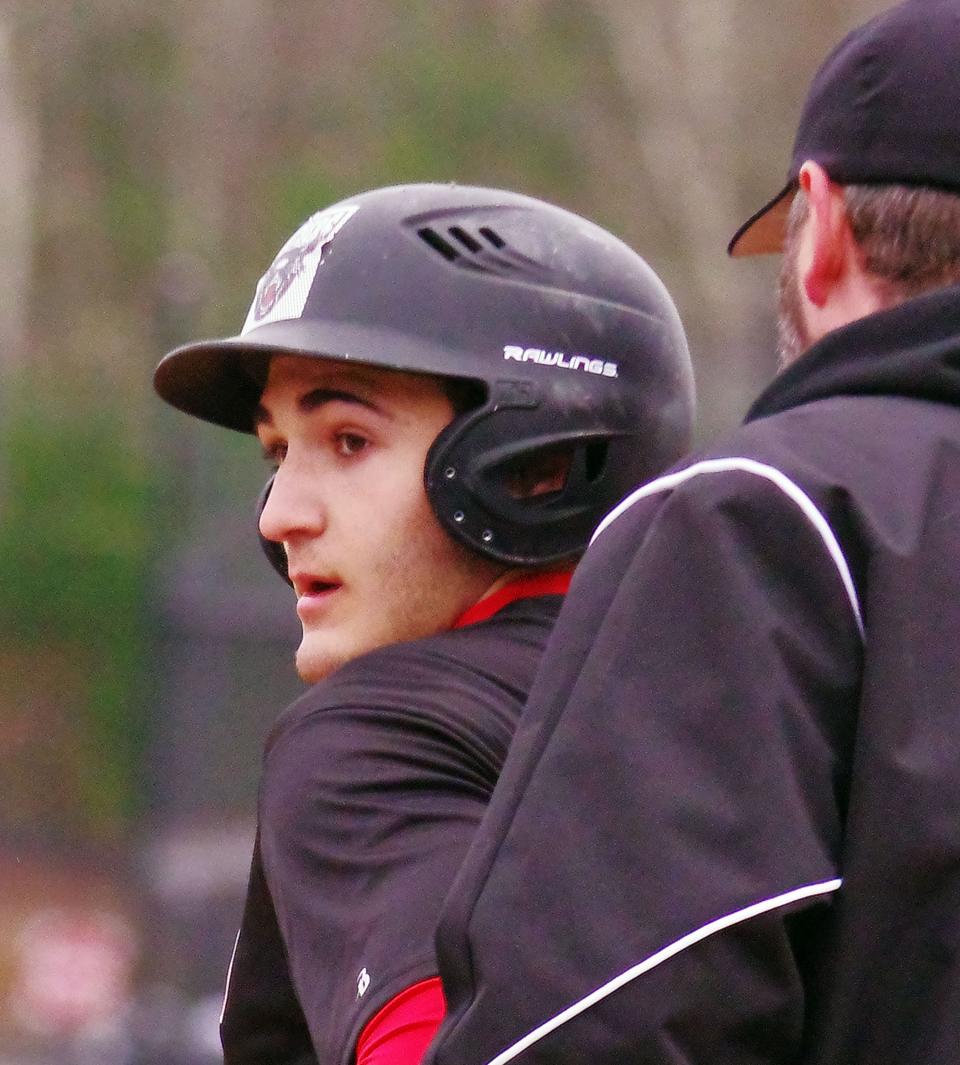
x,y
283,289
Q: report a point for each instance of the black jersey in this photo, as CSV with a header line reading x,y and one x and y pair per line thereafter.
x,y
373,785
728,830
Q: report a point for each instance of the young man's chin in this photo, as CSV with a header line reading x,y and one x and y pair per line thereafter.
x,y
320,654
315,662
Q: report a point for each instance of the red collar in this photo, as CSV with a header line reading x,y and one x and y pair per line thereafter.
x,y
555,582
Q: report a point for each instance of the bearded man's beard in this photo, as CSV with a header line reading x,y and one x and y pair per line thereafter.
x,y
792,336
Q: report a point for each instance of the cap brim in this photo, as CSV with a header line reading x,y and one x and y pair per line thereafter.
x,y
764,232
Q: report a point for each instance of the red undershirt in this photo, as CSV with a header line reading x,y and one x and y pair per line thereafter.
x,y
555,582
401,1031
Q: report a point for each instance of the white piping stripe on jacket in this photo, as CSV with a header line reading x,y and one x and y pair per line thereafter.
x,y
760,469
654,960
226,986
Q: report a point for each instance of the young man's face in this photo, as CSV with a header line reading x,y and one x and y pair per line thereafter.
x,y
368,559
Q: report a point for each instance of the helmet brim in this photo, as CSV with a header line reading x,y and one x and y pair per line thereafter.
x,y
220,381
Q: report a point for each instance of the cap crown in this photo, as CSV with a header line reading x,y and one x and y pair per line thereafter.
x,y
885,105
884,108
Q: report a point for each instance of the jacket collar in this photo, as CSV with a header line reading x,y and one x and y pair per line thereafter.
x,y
911,350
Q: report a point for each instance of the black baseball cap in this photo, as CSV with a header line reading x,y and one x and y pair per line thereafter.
x,y
884,108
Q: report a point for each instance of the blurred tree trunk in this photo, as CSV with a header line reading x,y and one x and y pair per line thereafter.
x,y
16,238
717,87
17,140
213,151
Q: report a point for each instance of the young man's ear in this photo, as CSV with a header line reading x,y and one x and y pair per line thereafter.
x,y
829,235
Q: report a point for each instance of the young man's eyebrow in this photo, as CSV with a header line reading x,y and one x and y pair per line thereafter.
x,y
316,398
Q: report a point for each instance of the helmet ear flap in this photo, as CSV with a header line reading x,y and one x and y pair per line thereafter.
x,y
467,479
275,553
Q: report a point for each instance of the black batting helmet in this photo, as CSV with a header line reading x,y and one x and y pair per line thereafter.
x,y
572,339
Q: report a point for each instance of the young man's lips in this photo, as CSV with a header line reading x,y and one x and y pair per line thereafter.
x,y
313,592
310,584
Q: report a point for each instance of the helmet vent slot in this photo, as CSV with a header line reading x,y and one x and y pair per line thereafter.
x,y
480,248
460,234
433,238
492,237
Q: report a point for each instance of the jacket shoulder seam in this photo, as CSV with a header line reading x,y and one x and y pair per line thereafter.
x,y
780,480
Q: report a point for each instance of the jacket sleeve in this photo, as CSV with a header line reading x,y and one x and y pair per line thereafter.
x,y
692,762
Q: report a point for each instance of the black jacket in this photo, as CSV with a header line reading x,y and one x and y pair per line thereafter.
x,y
374,782
728,830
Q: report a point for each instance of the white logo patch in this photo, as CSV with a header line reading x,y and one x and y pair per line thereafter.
x,y
283,289
584,363
363,982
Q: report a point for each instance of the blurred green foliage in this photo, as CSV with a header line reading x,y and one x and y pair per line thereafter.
x,y
74,565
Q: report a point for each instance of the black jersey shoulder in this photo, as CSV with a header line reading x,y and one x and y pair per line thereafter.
x,y
374,784
448,678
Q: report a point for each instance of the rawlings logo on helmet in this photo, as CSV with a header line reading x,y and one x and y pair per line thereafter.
x,y
283,289
586,363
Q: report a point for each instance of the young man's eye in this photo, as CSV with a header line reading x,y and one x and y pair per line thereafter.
x,y
275,453
350,443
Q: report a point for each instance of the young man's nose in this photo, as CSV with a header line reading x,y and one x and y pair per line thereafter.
x,y
293,506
